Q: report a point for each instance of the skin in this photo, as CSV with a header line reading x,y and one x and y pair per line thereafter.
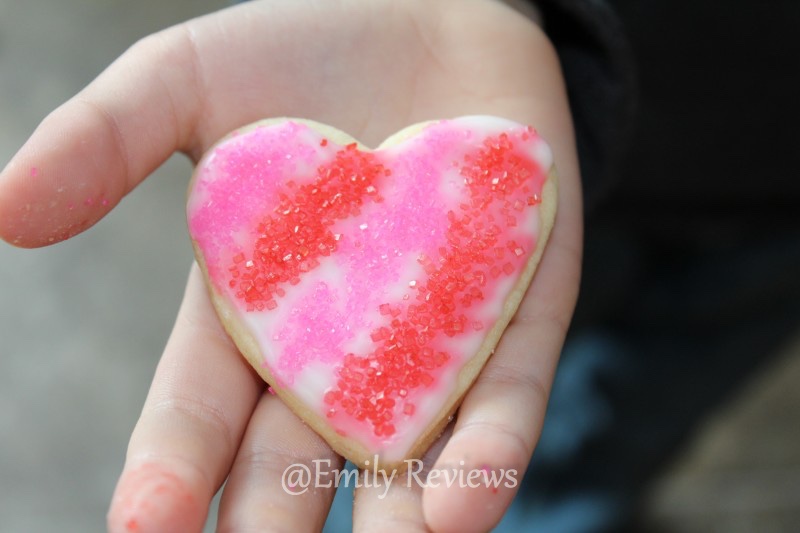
x,y
368,67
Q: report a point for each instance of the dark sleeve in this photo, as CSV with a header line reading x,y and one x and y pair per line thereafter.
x,y
598,69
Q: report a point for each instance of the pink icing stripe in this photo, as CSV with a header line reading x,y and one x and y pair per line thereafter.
x,y
373,253
233,186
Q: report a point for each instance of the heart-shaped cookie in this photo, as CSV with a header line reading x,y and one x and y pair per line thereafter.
x,y
370,287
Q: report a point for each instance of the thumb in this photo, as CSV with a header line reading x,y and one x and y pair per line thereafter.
x,y
90,152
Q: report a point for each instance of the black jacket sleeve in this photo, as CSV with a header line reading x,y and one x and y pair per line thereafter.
x,y
599,72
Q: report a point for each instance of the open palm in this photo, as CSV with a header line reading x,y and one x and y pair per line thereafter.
x,y
367,67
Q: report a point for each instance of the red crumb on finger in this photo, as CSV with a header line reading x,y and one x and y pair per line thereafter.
x,y
151,497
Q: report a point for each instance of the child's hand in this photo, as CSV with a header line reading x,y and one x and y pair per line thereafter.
x,y
368,67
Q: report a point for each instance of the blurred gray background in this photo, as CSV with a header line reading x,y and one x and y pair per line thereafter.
x,y
82,323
